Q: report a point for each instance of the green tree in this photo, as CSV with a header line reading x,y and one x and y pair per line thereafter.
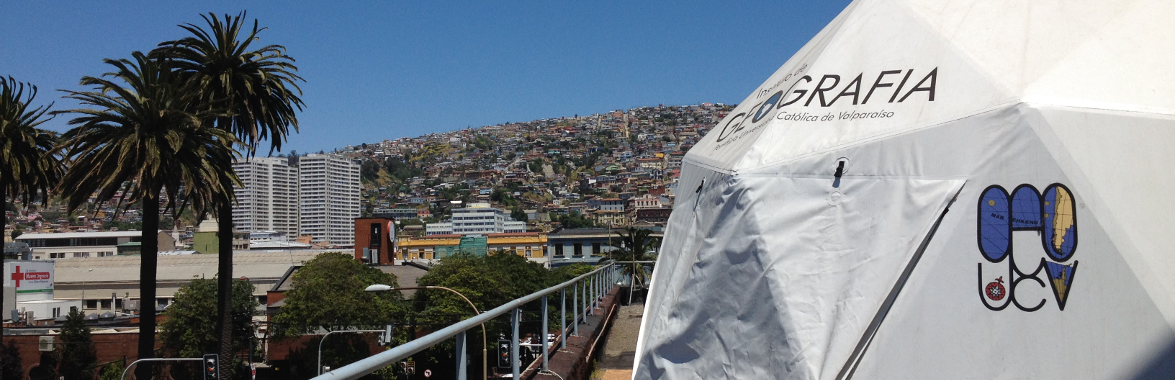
x,y
518,214
190,330
78,358
328,293
47,367
258,87
113,370
635,244
11,366
369,171
575,220
488,281
29,160
145,136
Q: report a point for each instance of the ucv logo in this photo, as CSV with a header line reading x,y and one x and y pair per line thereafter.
x,y
1051,216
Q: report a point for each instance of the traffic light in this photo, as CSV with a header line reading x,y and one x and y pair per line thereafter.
x,y
211,367
386,338
503,353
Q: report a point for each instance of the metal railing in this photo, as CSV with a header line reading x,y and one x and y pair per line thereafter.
x,y
592,286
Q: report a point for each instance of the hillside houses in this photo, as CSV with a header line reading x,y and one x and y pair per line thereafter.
x,y
601,168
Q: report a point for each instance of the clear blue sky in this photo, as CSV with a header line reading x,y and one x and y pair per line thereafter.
x,y
389,69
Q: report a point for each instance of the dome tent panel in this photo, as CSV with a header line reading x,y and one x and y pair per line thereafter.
x,y
1064,181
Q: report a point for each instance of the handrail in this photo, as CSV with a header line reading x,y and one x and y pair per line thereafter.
x,y
320,341
389,357
136,362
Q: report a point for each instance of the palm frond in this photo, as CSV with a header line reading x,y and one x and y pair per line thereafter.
x,y
145,125
258,87
30,163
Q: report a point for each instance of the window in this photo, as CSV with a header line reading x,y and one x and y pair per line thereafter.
x,y
559,250
596,249
579,249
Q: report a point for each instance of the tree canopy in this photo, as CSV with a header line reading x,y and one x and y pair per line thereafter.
x,y
78,358
190,330
328,293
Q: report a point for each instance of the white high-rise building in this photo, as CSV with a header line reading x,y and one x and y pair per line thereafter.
x,y
269,200
329,198
318,196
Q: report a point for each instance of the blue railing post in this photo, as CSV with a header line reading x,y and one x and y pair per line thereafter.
x,y
462,357
514,358
599,280
575,309
587,298
544,333
599,290
563,318
592,293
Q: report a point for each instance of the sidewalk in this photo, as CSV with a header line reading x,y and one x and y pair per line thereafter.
x,y
620,346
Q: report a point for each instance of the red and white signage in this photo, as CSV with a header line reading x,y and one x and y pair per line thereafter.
x,y
29,276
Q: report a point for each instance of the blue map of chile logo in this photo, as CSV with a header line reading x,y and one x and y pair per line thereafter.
x,y
1052,215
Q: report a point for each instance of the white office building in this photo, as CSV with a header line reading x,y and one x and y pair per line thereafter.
x,y
329,198
72,245
478,218
269,200
317,196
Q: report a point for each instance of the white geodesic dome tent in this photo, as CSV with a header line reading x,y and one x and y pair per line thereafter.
x,y
903,200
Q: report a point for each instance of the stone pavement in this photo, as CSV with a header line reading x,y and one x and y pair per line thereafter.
x,y
620,345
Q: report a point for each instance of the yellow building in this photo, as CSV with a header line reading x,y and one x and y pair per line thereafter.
x,y
531,245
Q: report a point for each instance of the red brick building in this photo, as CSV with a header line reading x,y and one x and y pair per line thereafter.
x,y
374,234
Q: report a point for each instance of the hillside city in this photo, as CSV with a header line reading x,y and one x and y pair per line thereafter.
x,y
605,167
560,195
616,168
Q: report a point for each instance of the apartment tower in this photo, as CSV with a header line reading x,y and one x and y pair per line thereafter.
x,y
269,200
318,195
329,198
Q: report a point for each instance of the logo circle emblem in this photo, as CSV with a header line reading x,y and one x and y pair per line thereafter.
x,y
995,290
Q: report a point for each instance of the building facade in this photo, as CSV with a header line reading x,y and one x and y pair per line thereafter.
x,y
396,213
269,199
329,198
71,245
318,196
531,245
478,218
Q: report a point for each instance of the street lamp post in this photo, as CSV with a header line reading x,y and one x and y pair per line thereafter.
x,y
83,309
484,368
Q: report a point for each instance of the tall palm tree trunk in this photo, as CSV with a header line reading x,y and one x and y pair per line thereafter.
x,y
224,289
3,222
147,279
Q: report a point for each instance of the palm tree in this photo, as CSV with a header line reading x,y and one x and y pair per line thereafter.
x,y
29,161
635,245
258,88
146,135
